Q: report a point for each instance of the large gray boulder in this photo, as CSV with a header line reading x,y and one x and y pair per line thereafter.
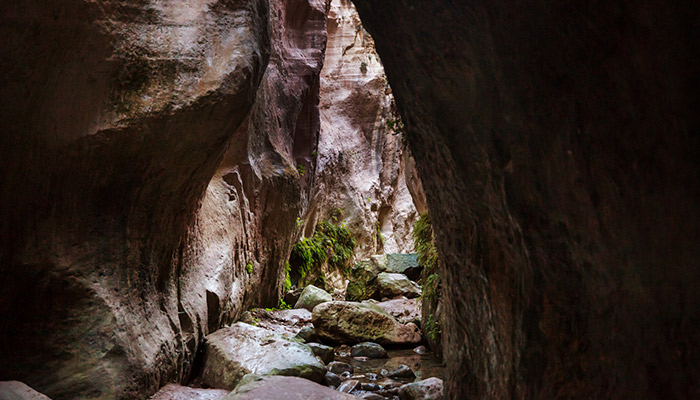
x,y
284,388
14,390
241,349
351,322
312,296
427,389
404,263
393,285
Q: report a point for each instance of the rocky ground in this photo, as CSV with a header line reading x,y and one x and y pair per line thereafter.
x,y
324,348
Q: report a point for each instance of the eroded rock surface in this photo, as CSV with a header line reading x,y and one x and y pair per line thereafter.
x,y
557,148
360,163
119,251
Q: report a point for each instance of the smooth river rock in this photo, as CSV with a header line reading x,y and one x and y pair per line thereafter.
x,y
351,322
403,309
241,349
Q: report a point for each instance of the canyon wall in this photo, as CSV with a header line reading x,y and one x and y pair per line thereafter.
x,y
118,249
361,164
559,150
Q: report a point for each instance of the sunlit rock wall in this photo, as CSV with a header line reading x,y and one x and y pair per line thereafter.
x,y
361,161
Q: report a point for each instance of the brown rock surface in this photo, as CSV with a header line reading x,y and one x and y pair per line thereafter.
x,y
558,148
119,252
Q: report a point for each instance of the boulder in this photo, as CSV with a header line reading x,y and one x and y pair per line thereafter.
x,y
241,349
14,390
178,392
403,371
312,296
369,350
351,322
393,285
338,367
363,284
427,389
404,263
325,353
283,388
403,309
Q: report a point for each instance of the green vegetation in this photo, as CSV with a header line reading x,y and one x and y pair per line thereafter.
x,y
432,328
301,170
287,286
332,242
249,267
424,241
425,244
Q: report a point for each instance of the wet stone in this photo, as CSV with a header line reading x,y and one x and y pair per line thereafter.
x,y
331,379
368,349
349,385
325,353
338,367
402,371
307,334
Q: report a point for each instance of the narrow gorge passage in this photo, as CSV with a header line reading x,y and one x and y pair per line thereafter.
x,y
215,199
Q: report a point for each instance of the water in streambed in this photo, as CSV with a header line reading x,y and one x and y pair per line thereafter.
x,y
423,365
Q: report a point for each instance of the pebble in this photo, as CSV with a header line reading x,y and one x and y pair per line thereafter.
x,y
420,350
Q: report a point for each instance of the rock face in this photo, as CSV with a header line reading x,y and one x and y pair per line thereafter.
x,y
242,349
284,387
118,250
361,164
14,390
557,148
349,322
